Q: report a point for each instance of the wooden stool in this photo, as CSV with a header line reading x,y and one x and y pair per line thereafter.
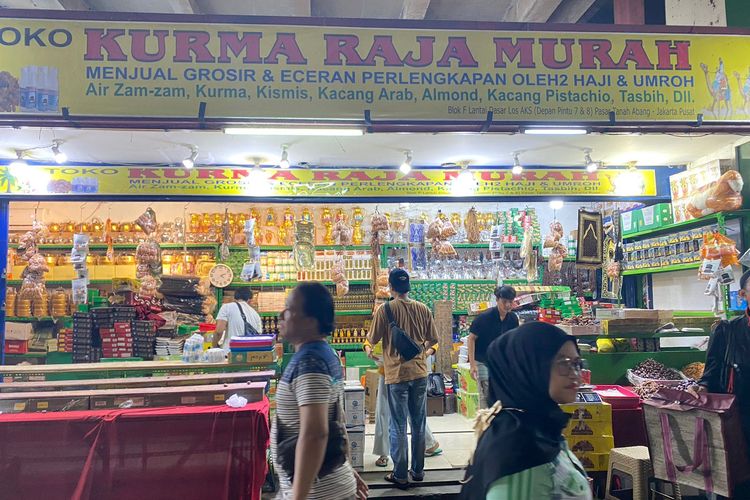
x,y
635,462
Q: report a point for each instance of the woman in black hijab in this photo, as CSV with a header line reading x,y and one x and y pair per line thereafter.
x,y
522,455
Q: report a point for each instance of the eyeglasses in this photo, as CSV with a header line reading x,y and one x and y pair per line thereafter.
x,y
566,367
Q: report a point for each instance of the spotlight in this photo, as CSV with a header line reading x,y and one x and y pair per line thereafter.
x,y
517,167
189,162
284,163
630,182
18,166
60,156
556,204
405,167
591,165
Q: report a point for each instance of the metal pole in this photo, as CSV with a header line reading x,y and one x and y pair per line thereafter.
x,y
4,227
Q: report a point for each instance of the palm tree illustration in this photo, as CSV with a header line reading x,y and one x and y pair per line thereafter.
x,y
7,180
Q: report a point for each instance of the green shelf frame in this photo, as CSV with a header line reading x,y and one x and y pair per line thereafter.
x,y
665,269
126,246
717,218
272,284
32,319
288,248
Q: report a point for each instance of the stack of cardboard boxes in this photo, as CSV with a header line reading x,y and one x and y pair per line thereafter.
x,y
468,392
589,433
354,409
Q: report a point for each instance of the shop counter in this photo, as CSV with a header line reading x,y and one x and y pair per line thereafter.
x,y
84,371
177,452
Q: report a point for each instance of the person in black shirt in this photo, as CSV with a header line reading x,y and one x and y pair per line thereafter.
x,y
485,328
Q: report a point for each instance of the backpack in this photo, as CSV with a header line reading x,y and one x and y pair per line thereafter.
x,y
435,385
405,345
250,330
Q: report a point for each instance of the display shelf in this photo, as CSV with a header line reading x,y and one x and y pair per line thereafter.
x,y
478,246
708,219
60,282
610,368
347,347
665,269
28,355
646,335
31,319
126,246
271,284
363,312
287,248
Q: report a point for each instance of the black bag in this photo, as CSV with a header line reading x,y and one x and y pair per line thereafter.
x,y
405,345
337,448
435,385
249,329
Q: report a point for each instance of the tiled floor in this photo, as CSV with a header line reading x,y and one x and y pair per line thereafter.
x,y
454,433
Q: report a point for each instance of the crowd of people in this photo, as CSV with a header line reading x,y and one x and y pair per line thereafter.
x,y
523,373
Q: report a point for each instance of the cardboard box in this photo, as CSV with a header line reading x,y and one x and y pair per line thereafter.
x,y
591,444
357,444
33,402
177,396
435,406
594,461
468,403
598,412
16,346
657,216
252,358
631,222
372,382
354,404
18,331
587,428
465,381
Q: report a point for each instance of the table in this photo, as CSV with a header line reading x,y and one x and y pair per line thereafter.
x,y
195,452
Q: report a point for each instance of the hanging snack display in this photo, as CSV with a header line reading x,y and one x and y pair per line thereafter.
x,y
473,229
439,231
342,234
725,195
529,256
32,286
148,252
304,245
558,251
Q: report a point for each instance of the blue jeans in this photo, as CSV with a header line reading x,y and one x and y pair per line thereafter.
x,y
408,399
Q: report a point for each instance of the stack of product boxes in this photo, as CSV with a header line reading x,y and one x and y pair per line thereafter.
x,y
65,340
354,409
117,342
589,433
468,392
144,339
83,338
647,218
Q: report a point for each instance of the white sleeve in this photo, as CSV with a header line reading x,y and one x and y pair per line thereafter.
x,y
223,313
255,320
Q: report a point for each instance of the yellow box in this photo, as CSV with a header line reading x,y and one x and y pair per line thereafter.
x,y
63,273
16,272
125,271
252,358
591,444
102,272
594,461
587,428
599,412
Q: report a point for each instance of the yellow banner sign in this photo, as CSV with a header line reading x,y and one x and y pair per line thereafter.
x,y
127,69
349,183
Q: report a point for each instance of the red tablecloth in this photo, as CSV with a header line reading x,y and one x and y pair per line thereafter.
x,y
200,452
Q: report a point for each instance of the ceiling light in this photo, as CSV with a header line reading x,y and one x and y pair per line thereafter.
x,y
517,167
591,165
18,166
464,184
60,156
284,163
189,162
405,167
630,182
305,131
555,131
556,204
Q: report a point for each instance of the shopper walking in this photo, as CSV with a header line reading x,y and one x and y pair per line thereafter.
x,y
381,446
233,318
406,381
486,328
522,454
308,440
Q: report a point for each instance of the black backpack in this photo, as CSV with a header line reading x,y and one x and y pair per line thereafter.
x,y
405,345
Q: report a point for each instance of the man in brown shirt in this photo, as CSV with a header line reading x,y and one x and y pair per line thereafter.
x,y
406,381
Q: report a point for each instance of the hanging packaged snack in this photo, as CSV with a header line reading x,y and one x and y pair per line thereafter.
x,y
473,228
79,291
147,221
342,233
304,245
718,251
338,276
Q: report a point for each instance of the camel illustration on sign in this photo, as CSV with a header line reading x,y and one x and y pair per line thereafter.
x,y
719,90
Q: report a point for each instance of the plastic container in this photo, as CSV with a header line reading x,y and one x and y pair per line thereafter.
x,y
621,398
